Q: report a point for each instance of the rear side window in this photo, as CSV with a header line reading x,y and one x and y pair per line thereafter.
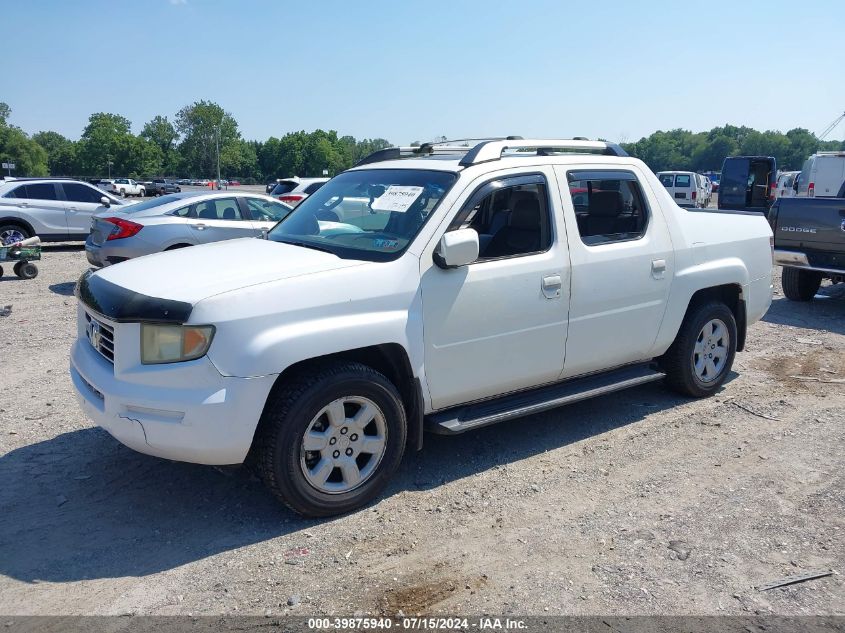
x,y
37,191
76,192
313,187
183,212
609,206
218,209
286,186
682,180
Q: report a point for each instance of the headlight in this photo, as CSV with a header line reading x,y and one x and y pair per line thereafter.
x,y
174,343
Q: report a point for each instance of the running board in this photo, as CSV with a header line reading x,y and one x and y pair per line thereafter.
x,y
517,405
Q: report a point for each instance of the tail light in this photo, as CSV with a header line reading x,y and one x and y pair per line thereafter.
x,y
291,199
123,228
693,195
811,189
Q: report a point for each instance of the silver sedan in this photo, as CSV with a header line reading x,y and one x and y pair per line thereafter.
x,y
179,220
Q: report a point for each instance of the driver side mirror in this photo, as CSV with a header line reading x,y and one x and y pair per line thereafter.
x,y
105,202
457,248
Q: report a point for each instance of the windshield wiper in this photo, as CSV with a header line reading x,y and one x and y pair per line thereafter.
x,y
316,247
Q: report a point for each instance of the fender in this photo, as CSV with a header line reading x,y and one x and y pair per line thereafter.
x,y
688,281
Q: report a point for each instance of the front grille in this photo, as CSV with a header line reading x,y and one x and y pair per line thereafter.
x,y
101,336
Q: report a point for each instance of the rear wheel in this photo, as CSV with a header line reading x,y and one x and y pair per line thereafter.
x,y
700,358
123,193
800,285
12,233
330,440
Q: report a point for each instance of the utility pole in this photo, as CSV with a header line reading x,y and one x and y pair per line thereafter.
x,y
218,151
109,163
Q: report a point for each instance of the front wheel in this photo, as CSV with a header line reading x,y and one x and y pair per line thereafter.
x,y
800,285
700,358
331,438
12,233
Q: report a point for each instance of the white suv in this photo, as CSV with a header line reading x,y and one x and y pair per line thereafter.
x,y
292,191
54,209
482,284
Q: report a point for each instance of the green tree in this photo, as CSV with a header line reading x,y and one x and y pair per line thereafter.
x,y
29,157
202,125
61,153
162,133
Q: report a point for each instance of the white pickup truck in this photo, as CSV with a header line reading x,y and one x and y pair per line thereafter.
x,y
126,187
483,284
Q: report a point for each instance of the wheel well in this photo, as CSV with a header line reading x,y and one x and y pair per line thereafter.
x,y
731,296
175,246
18,222
389,359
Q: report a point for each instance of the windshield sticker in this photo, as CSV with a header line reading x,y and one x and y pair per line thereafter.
x,y
387,245
397,198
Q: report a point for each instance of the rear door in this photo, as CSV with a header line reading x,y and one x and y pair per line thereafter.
x,y
41,205
830,173
684,186
734,185
219,219
668,181
622,266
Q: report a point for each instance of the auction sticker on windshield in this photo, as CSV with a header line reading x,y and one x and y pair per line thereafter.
x,y
397,198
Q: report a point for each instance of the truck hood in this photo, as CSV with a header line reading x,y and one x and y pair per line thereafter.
x,y
188,275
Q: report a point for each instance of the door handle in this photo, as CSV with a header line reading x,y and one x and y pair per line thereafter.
x,y
658,267
551,286
198,227
24,205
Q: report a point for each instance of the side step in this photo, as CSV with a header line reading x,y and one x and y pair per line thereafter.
x,y
517,405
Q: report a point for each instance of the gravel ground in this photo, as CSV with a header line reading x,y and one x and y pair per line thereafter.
x,y
643,503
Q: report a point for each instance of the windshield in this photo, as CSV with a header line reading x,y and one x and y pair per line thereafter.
x,y
369,214
151,203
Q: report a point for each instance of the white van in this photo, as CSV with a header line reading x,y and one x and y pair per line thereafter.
x,y
822,175
686,187
785,184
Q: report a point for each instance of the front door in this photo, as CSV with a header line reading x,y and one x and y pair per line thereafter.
x,y
264,214
622,266
219,219
499,324
82,202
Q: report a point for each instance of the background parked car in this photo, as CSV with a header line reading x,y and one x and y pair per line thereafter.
x,y
56,210
785,187
686,187
748,182
124,187
179,220
822,174
292,191
161,186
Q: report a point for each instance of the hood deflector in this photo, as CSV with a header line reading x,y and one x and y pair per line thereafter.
x,y
123,305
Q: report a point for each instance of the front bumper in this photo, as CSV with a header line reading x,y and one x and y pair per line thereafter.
x,y
182,411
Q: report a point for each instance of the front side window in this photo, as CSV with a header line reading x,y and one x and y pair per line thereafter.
x,y
77,192
267,210
218,209
511,218
369,214
609,206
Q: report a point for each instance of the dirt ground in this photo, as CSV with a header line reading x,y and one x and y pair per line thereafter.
x,y
641,503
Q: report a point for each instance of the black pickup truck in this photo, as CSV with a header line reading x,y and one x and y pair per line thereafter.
x,y
160,187
809,242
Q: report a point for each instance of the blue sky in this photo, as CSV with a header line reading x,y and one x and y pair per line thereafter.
x,y
409,71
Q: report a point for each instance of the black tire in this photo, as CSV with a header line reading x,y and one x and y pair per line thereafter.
x,y
1,271
800,285
27,270
287,416
17,268
123,193
678,361
7,229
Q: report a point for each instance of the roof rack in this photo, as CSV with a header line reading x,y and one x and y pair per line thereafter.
x,y
493,149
